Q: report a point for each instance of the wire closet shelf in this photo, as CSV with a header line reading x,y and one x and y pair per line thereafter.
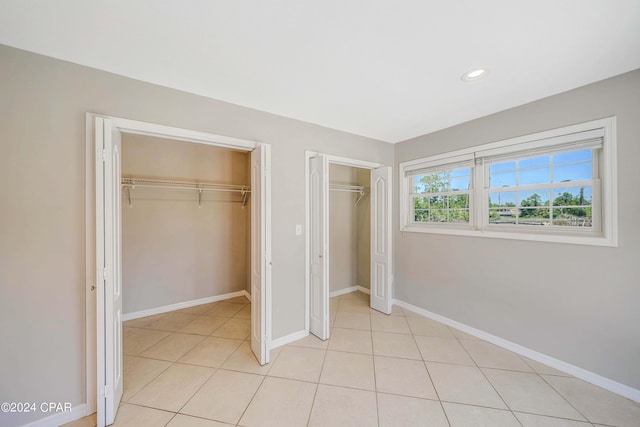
x,y
361,190
130,184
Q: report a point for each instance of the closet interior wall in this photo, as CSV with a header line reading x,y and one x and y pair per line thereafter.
x,y
175,249
349,230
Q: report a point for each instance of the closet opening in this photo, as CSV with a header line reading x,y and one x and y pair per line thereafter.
x,y
178,247
186,234
348,237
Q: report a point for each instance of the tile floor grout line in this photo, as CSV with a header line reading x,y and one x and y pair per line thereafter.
x,y
485,377
459,340
558,418
375,378
315,394
148,382
175,414
564,398
264,378
446,416
215,370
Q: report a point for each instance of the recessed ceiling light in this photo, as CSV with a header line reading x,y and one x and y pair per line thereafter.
x,y
473,75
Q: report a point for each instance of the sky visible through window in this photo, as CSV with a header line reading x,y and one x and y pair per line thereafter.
x,y
550,169
553,189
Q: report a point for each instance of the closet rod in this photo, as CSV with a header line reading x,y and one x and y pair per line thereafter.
x,y
203,188
183,185
132,183
348,188
359,189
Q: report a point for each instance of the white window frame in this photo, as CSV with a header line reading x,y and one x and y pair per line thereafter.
x,y
470,195
605,216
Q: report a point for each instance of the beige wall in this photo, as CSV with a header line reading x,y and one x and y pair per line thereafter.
x,y
42,216
349,230
172,250
576,303
363,222
343,230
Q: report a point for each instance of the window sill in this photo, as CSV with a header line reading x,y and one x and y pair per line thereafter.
x,y
590,240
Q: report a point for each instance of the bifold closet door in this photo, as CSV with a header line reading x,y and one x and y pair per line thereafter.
x,y
108,269
260,251
381,249
319,236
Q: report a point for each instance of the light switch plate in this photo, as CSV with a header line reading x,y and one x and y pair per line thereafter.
x,y
298,230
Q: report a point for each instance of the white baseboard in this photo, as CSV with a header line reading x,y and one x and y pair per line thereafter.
x,y
181,305
343,291
348,291
583,374
60,418
247,295
365,290
295,336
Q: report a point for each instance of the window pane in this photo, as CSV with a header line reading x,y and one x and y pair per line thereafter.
x,y
534,216
502,216
438,182
506,179
420,209
572,217
532,198
502,167
573,172
421,183
502,199
573,196
461,172
572,207
573,156
533,176
459,201
460,183
420,203
534,162
438,215
421,215
439,202
459,215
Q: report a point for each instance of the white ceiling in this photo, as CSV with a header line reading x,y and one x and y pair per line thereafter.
x,y
389,70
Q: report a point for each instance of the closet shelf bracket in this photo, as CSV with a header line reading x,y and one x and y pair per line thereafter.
x,y
361,190
129,194
244,193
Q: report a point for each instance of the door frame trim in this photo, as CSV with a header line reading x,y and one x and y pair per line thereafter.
x,y
331,159
136,127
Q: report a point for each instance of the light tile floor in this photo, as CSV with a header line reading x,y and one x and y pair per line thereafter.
x,y
194,368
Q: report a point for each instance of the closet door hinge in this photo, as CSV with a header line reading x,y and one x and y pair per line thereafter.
x,y
104,155
104,273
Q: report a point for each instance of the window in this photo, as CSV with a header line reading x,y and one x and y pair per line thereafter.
x,y
554,186
442,196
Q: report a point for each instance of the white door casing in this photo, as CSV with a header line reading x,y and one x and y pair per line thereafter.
x,y
381,249
260,250
319,243
109,271
103,145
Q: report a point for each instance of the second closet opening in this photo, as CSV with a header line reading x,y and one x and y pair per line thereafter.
x,y
349,229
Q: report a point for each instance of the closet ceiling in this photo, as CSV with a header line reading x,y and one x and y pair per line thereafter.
x,y
386,69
